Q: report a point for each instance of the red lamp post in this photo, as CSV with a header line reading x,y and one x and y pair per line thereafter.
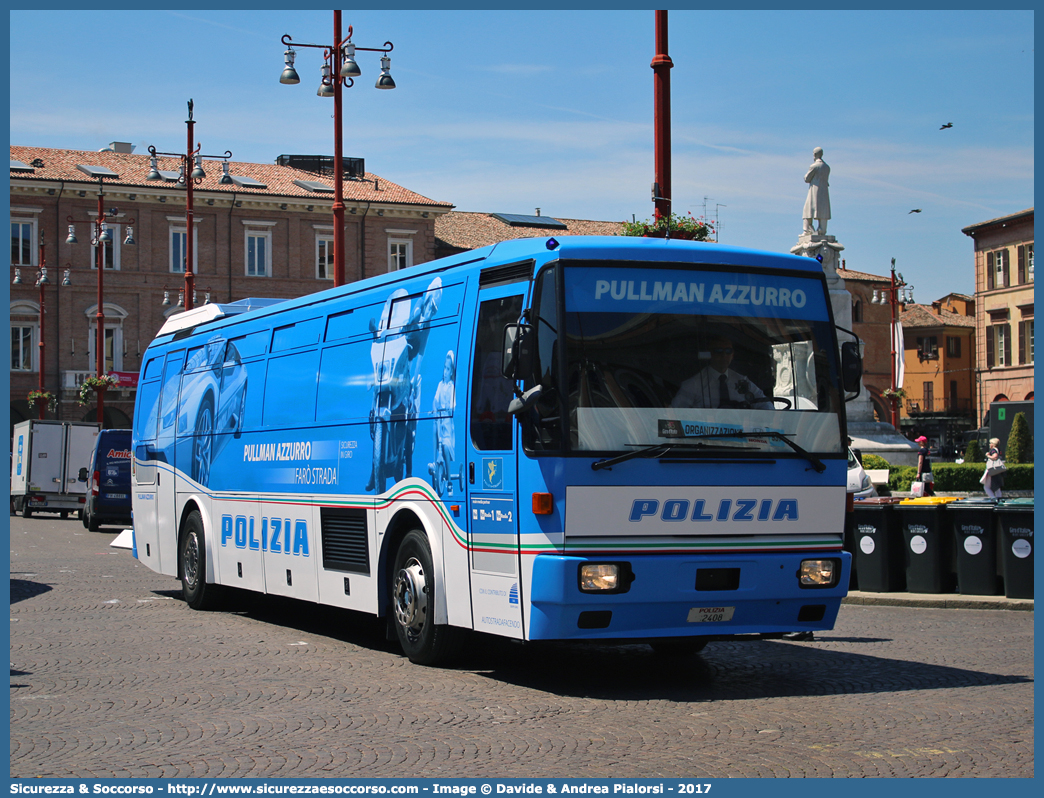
x,y
661,65
100,237
191,174
42,398
339,68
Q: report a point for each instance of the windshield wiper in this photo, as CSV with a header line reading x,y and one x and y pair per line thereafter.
x,y
817,464
655,450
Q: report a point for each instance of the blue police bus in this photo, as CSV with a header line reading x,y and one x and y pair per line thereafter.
x,y
592,438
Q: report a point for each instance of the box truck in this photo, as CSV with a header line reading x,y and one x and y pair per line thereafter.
x,y
46,458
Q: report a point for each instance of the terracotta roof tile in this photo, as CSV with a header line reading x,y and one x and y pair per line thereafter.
x,y
925,316
278,180
466,230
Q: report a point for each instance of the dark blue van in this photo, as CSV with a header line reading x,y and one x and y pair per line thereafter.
x,y
108,478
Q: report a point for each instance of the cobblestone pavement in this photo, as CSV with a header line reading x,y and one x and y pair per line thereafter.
x,y
112,675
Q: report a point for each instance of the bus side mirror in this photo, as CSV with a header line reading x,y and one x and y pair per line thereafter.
x,y
851,366
516,351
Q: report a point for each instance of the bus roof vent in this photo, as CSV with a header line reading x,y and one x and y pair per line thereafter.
x,y
212,312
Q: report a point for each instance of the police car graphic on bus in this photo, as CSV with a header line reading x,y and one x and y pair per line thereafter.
x,y
593,438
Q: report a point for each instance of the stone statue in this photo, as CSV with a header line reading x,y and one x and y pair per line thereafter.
x,y
817,203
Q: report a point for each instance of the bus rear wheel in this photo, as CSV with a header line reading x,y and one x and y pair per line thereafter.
x,y
413,604
192,566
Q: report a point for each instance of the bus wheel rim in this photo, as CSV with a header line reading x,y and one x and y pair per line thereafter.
x,y
192,559
411,602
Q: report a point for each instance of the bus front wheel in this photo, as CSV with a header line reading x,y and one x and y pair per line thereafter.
x,y
413,604
192,566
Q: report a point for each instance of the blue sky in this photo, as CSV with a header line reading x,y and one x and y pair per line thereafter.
x,y
508,111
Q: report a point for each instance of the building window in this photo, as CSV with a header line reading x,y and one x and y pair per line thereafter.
x,y
1024,255
324,260
998,345
928,397
953,346
179,249
258,253
111,256
23,242
400,254
114,316
22,350
1026,342
927,348
997,269
857,310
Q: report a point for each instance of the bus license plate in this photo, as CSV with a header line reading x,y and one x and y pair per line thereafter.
x,y
710,614
117,495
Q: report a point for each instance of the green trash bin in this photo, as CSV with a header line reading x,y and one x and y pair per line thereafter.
x,y
928,536
1016,543
878,545
975,539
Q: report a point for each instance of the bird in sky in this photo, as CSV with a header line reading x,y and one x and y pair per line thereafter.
x,y
948,124
915,210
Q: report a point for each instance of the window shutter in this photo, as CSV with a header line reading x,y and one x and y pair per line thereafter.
x,y
1005,262
1007,344
989,347
989,271
1022,342
1022,264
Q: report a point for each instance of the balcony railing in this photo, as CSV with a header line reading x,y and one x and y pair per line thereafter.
x,y
73,379
957,407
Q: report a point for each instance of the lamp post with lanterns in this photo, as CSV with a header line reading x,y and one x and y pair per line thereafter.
x,y
191,174
99,238
897,293
41,282
339,69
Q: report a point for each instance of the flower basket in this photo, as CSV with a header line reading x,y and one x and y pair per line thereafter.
x,y
93,384
686,228
38,397
897,394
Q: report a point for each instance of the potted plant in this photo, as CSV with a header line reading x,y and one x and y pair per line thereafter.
x,y
898,394
93,383
686,227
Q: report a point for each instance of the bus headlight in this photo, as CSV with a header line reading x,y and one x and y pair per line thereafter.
x,y
819,573
605,577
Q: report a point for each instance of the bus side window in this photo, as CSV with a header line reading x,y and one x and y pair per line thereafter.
x,y
491,391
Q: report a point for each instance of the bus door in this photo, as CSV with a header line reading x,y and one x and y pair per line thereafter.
x,y
492,489
164,506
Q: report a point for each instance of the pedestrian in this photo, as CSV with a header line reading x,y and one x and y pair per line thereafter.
x,y
924,467
993,477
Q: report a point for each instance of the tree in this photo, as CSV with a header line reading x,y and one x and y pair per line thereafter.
x,y
1020,441
973,454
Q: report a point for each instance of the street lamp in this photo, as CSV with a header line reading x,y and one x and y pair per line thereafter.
x,y
41,281
897,293
191,173
99,238
339,68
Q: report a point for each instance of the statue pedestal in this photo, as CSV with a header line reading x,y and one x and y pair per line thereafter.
x,y
868,435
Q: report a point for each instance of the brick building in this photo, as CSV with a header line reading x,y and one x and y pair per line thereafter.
x,y
268,233
1004,307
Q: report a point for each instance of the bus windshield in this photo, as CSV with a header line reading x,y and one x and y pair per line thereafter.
x,y
700,358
